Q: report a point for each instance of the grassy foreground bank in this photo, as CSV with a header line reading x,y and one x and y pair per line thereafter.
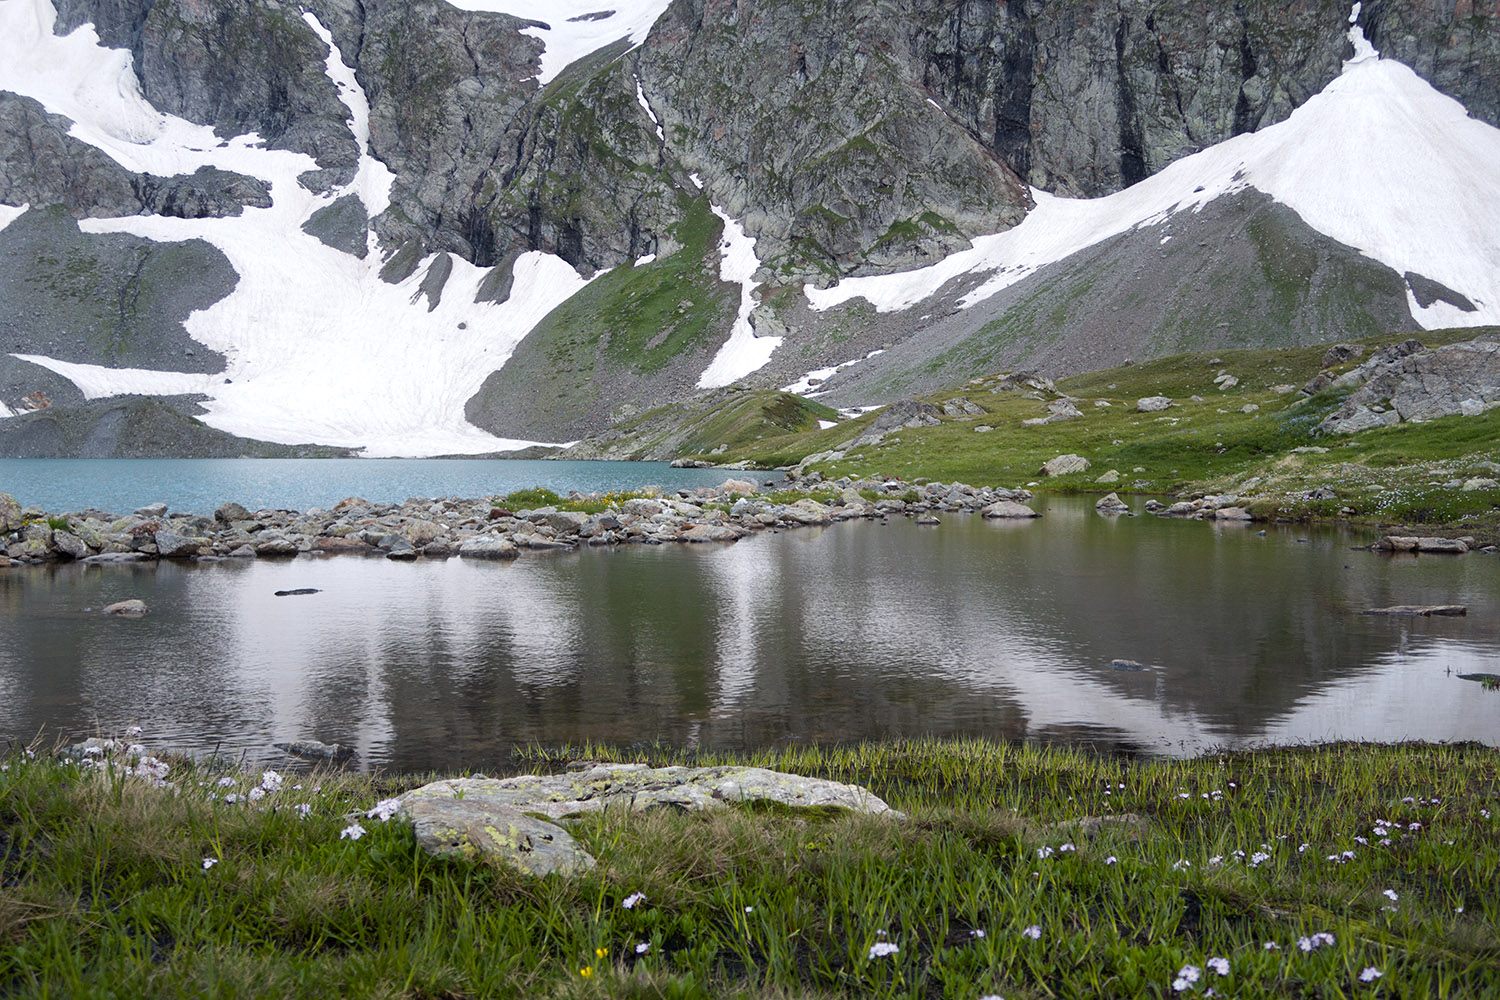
x,y
1343,871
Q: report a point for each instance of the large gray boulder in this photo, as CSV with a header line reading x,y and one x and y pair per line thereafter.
x,y
470,828
1065,465
488,547
637,787
1008,509
1404,382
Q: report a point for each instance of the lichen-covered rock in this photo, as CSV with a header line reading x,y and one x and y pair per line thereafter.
x,y
1153,404
635,787
472,828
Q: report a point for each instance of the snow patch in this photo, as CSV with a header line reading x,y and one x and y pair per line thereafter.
x,y
744,352
572,29
823,425
372,182
1379,161
640,96
10,213
804,385
643,261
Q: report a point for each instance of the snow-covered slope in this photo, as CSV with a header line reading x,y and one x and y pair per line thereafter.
x,y
1378,160
320,349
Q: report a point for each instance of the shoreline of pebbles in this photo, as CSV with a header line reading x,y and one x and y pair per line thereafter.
x,y
471,528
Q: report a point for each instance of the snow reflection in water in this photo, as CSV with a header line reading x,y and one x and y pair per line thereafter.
x,y
855,631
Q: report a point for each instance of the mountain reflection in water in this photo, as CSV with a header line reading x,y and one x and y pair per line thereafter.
x,y
850,632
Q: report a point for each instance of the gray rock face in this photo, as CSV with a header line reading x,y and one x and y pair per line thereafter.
x,y
41,164
246,66
1405,383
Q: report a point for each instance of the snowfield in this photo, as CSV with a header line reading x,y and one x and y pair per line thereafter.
x,y
1378,160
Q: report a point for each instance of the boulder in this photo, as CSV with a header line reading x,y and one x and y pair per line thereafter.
x,y
1111,504
132,608
636,787
1460,379
564,522
1129,666
1451,546
1008,509
488,547
1340,353
1152,404
711,533
1064,465
1232,514
70,545
170,545
337,544
730,487
105,558
1397,543
152,510
275,544
422,532
471,828
10,513
227,513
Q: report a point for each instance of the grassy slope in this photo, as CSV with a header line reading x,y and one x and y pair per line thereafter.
x,y
631,320
104,893
1391,474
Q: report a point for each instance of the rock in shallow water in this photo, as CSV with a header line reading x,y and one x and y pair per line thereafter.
x,y
132,608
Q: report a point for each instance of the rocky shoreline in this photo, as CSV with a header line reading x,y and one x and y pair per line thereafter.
x,y
485,528
473,528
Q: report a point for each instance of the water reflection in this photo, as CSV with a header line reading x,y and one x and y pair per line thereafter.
x,y
849,632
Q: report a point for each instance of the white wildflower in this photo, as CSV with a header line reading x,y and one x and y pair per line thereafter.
x,y
642,948
881,949
1034,932
353,832
1370,974
384,809
209,863
1391,895
630,901
1219,965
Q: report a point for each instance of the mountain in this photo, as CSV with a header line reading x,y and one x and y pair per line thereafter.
x,y
415,227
